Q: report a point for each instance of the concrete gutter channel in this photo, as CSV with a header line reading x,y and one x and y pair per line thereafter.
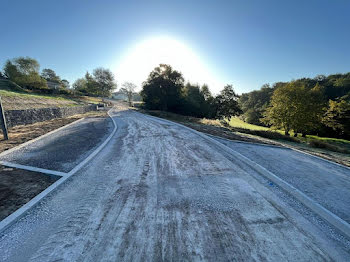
x,y
19,213
341,225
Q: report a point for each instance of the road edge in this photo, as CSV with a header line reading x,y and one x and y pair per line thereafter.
x,y
19,213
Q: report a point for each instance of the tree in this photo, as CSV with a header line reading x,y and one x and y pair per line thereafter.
x,y
254,104
295,107
100,83
206,92
227,104
50,75
193,101
65,84
162,89
26,65
104,79
128,89
24,71
337,116
208,106
80,85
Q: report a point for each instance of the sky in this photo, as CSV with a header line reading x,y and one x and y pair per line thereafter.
x,y
243,43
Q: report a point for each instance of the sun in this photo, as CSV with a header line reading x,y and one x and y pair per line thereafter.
x,y
142,58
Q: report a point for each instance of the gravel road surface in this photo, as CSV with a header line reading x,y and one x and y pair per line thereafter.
x,y
64,149
323,181
160,192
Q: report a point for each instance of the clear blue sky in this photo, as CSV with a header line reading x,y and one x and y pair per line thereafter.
x,y
246,43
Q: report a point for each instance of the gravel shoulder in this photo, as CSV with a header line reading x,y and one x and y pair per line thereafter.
x,y
159,192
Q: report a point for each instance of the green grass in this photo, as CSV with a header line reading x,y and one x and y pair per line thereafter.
x,y
332,144
237,122
27,95
15,97
10,86
330,140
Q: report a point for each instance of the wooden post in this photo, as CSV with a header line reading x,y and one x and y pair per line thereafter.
x,y
3,122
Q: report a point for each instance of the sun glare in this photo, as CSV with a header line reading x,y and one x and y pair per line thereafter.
x,y
141,59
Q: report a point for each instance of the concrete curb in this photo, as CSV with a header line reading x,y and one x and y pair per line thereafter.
x,y
19,213
328,216
34,169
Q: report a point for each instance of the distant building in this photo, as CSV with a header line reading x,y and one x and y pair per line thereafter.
x,y
53,85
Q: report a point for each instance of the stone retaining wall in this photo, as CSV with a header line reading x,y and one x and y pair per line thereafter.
x,y
30,116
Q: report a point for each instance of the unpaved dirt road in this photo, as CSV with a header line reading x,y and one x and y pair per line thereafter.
x,y
159,192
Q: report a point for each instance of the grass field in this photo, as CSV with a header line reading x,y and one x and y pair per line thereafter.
x,y
334,144
14,97
237,122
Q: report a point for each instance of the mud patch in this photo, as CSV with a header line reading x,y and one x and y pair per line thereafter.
x,y
17,187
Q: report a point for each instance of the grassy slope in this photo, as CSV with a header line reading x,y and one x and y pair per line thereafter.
x,y
235,122
14,97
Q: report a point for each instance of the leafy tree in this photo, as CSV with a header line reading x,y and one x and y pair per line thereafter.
x,y
206,92
337,116
227,104
128,89
254,104
162,89
91,85
80,85
65,84
50,75
193,101
295,107
100,83
24,71
104,80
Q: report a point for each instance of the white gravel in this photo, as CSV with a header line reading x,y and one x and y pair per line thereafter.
x,y
160,192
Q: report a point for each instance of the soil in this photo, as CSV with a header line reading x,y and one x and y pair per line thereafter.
x,y
18,187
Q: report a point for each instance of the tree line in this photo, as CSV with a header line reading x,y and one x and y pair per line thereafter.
x,y
25,72
316,106
165,89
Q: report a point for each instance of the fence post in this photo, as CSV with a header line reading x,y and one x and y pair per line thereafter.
x,y
3,121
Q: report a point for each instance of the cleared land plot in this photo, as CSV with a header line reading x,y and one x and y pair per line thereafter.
x,y
17,187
